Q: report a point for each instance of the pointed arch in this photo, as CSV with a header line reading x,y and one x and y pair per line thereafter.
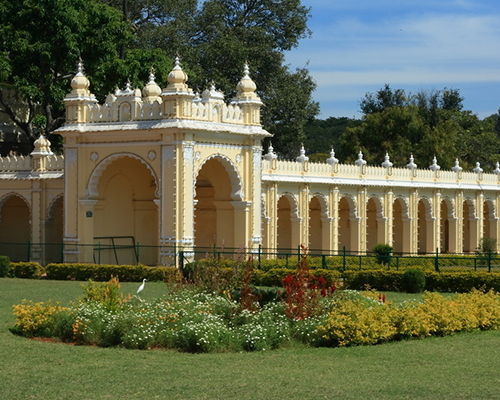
x,y
448,227
318,214
15,226
401,225
375,222
425,226
288,222
96,174
348,223
237,193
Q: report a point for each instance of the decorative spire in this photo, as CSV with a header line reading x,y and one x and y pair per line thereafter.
x,y
387,163
411,165
270,153
434,167
360,162
302,157
478,168
152,91
496,171
332,160
80,67
457,167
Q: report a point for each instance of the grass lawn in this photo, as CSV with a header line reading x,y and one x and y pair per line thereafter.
x,y
464,366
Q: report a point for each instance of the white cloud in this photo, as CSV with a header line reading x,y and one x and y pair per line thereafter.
x,y
359,46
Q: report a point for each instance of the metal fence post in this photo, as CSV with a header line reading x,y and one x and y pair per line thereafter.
x,y
343,258
29,251
436,261
489,260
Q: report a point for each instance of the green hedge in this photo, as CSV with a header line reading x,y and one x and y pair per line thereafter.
x,y
4,266
102,272
26,270
459,282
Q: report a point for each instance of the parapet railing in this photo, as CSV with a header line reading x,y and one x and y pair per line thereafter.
x,y
25,163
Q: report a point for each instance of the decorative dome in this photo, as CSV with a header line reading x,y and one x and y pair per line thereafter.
x,y
80,83
42,146
246,85
212,93
177,76
151,91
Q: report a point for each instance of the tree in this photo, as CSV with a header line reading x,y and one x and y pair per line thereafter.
x,y
427,125
216,37
40,45
324,135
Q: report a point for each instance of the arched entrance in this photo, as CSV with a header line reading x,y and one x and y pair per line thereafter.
x,y
448,229
287,223
15,227
401,226
54,232
425,227
470,239
348,224
126,216
315,225
219,212
374,223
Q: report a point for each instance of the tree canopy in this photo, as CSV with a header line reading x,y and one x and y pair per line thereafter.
x,y
427,125
215,38
41,42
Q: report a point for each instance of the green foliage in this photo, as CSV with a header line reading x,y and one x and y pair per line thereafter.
x,y
487,245
37,319
50,36
258,32
4,266
459,282
106,293
26,270
413,281
102,272
382,280
383,253
426,124
323,135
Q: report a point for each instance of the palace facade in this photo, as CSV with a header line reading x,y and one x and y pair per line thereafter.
x,y
170,169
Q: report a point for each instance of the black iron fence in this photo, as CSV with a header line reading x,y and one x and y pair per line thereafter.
x,y
132,253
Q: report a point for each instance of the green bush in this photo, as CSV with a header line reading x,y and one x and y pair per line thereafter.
x,y
382,280
383,253
413,281
456,282
4,266
102,272
26,270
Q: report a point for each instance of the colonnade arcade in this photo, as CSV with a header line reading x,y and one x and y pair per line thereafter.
x,y
334,218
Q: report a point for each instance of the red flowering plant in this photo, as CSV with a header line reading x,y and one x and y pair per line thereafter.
x,y
303,291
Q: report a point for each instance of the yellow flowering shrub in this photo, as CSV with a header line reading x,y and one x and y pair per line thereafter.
x,y
357,322
365,321
36,319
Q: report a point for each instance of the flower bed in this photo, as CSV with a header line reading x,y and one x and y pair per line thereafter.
x,y
189,320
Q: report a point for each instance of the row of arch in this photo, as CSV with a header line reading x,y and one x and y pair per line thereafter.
x,y
454,230
16,228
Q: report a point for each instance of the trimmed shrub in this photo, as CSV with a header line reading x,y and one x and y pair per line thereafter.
x,y
26,270
413,281
102,272
382,280
383,253
4,266
459,282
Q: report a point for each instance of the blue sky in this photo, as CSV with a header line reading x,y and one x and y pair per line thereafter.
x,y
357,46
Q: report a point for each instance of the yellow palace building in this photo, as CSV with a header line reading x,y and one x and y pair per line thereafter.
x,y
169,169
